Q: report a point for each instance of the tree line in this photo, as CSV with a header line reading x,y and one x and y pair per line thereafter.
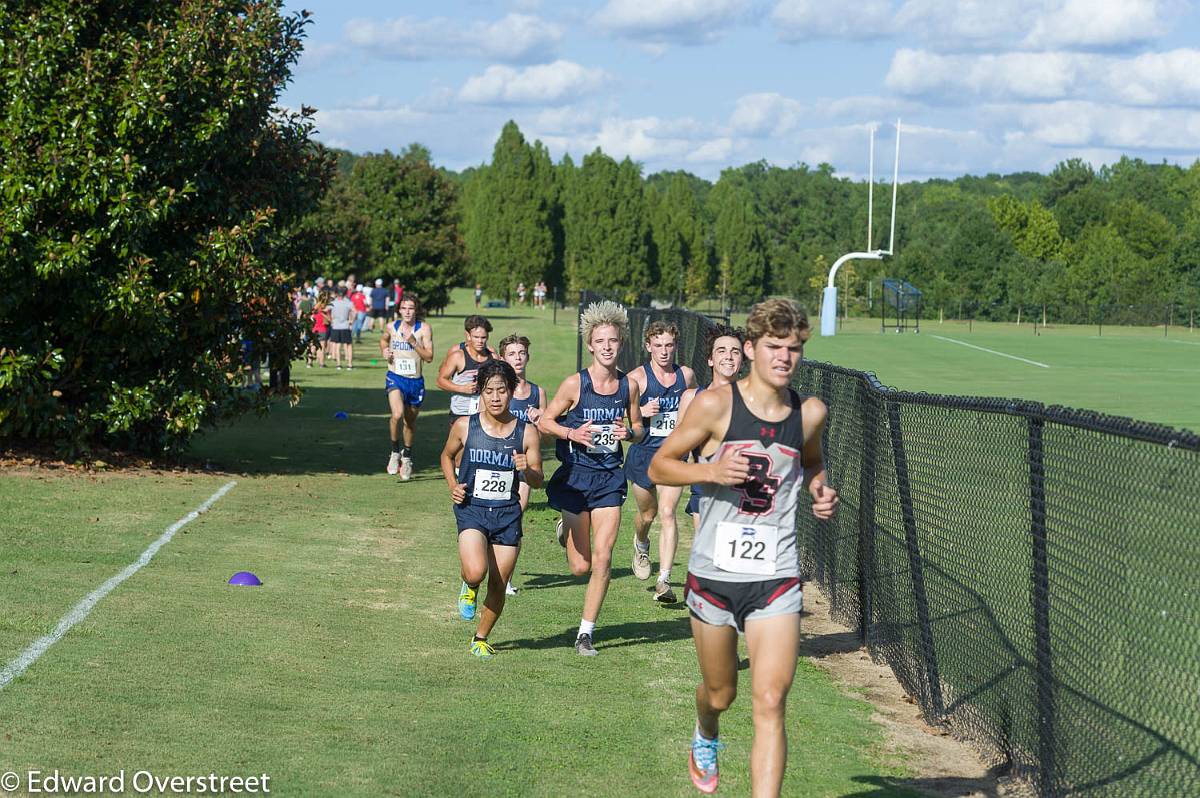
x,y
1072,239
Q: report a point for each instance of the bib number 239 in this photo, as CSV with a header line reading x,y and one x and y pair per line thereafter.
x,y
746,548
604,440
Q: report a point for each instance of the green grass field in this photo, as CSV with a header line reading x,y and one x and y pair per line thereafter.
x,y
348,672
1127,371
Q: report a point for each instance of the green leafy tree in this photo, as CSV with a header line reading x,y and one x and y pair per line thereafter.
x,y
607,230
680,238
411,230
149,182
511,222
739,241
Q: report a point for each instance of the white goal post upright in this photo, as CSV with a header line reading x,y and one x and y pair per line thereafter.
x,y
829,297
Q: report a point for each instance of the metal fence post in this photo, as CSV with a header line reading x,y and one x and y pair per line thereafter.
x,y
1041,608
579,334
915,563
866,513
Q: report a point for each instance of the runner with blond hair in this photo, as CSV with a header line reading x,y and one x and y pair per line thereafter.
x,y
588,417
760,447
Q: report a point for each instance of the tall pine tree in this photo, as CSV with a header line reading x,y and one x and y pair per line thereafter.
x,y
511,216
606,229
740,241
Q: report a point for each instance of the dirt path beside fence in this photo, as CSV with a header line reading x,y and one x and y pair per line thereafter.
x,y
941,764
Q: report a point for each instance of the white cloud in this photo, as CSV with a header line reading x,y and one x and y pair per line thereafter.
x,y
982,24
765,114
517,38
545,84
1100,23
1171,78
799,20
1074,124
716,151
969,23
365,118
678,21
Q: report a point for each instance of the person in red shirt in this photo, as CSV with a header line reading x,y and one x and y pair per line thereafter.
x,y
359,300
320,334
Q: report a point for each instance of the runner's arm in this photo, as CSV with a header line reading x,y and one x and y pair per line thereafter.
x,y
689,376
694,431
450,365
385,343
825,499
533,473
564,399
454,445
424,352
636,429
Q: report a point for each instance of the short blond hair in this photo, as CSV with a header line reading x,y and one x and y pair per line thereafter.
x,y
778,318
603,314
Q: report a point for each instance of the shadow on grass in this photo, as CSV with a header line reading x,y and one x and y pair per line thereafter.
x,y
532,580
888,787
634,633
309,439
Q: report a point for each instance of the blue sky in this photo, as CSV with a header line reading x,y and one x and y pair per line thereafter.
x,y
981,85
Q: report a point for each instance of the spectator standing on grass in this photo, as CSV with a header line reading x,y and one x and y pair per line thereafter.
x,y
342,315
320,333
359,300
478,295
397,295
379,298
521,292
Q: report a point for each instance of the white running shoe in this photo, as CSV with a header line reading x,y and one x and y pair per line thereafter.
x,y
509,590
406,468
560,531
394,463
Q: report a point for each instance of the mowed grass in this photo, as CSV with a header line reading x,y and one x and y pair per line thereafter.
x,y
1125,371
348,672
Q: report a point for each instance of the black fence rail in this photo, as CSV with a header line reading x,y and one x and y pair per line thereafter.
x,y
1029,573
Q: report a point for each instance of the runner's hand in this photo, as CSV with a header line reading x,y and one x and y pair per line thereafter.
x,y
388,355
620,431
732,469
520,460
650,408
581,435
825,499
458,493
534,413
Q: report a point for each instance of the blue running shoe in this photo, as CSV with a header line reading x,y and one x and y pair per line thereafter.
x,y
466,602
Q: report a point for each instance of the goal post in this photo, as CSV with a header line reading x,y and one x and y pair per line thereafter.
x,y
829,297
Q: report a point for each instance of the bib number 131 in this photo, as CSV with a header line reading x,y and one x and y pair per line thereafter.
x,y
746,548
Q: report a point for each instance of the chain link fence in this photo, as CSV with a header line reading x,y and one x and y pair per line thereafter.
x,y
1028,572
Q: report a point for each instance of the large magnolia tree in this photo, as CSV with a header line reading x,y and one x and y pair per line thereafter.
x,y
148,185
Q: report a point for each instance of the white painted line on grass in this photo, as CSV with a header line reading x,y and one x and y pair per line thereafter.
x,y
992,351
1177,341
80,611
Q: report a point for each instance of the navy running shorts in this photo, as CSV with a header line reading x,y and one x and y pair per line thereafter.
x,y
693,505
637,464
718,603
412,389
500,525
576,489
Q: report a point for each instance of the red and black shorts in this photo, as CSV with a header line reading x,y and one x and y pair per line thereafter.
x,y
720,603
